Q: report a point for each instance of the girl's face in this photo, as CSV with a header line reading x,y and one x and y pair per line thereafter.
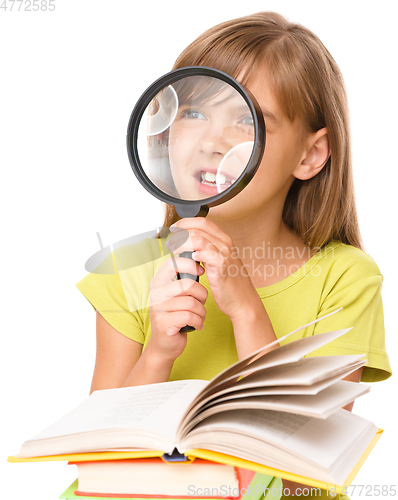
x,y
210,142
284,153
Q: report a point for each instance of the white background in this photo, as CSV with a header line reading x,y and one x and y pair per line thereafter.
x,y
69,80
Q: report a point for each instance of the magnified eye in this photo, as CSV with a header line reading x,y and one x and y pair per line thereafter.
x,y
192,114
247,120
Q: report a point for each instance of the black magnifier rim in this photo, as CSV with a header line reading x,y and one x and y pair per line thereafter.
x,y
135,120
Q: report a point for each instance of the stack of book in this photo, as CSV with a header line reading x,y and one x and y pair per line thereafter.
x,y
276,413
153,478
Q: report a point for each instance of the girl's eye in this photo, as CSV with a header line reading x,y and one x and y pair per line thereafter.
x,y
247,120
192,114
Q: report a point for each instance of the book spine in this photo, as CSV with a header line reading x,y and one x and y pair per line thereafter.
x,y
175,457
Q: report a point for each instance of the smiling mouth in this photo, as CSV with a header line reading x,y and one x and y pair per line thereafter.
x,y
214,180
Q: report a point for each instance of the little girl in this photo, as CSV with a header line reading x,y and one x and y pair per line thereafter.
x,y
284,251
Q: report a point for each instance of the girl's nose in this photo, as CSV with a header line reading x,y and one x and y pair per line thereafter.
x,y
217,139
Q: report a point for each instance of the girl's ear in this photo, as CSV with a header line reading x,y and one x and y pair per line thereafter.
x,y
316,155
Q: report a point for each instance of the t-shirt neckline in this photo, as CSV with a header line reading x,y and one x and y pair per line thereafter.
x,y
293,278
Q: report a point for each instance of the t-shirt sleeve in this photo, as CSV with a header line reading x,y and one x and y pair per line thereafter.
x,y
119,286
106,294
356,286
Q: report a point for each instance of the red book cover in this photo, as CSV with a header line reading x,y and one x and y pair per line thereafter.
x,y
244,477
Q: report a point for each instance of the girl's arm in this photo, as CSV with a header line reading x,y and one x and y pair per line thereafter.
x,y
120,361
253,329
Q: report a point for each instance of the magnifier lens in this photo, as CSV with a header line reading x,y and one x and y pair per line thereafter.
x,y
161,111
196,137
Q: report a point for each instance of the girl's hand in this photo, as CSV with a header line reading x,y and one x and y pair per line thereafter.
x,y
174,304
231,286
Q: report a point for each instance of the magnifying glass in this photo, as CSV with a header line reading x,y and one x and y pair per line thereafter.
x,y
195,139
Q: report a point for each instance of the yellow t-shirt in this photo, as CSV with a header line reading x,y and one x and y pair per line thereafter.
x,y
337,276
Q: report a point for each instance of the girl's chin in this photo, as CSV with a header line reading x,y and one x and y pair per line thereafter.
x,y
241,207
228,210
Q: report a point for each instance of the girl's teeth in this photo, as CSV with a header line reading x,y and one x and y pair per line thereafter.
x,y
209,177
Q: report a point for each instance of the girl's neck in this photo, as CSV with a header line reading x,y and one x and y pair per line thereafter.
x,y
269,250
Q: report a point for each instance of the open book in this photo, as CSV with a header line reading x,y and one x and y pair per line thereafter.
x,y
275,411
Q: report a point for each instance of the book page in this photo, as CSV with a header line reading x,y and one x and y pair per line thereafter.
x,y
155,408
232,373
289,353
304,372
321,405
230,394
322,443
267,356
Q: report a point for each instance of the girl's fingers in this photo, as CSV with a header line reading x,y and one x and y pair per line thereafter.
x,y
198,240
168,271
183,303
184,287
182,318
207,254
210,257
203,225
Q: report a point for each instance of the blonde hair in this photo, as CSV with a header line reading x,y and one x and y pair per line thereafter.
x,y
308,85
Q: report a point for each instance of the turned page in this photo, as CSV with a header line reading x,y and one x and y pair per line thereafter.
x,y
291,352
321,405
154,409
306,371
322,443
267,357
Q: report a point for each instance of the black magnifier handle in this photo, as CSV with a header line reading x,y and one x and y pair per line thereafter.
x,y
187,255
